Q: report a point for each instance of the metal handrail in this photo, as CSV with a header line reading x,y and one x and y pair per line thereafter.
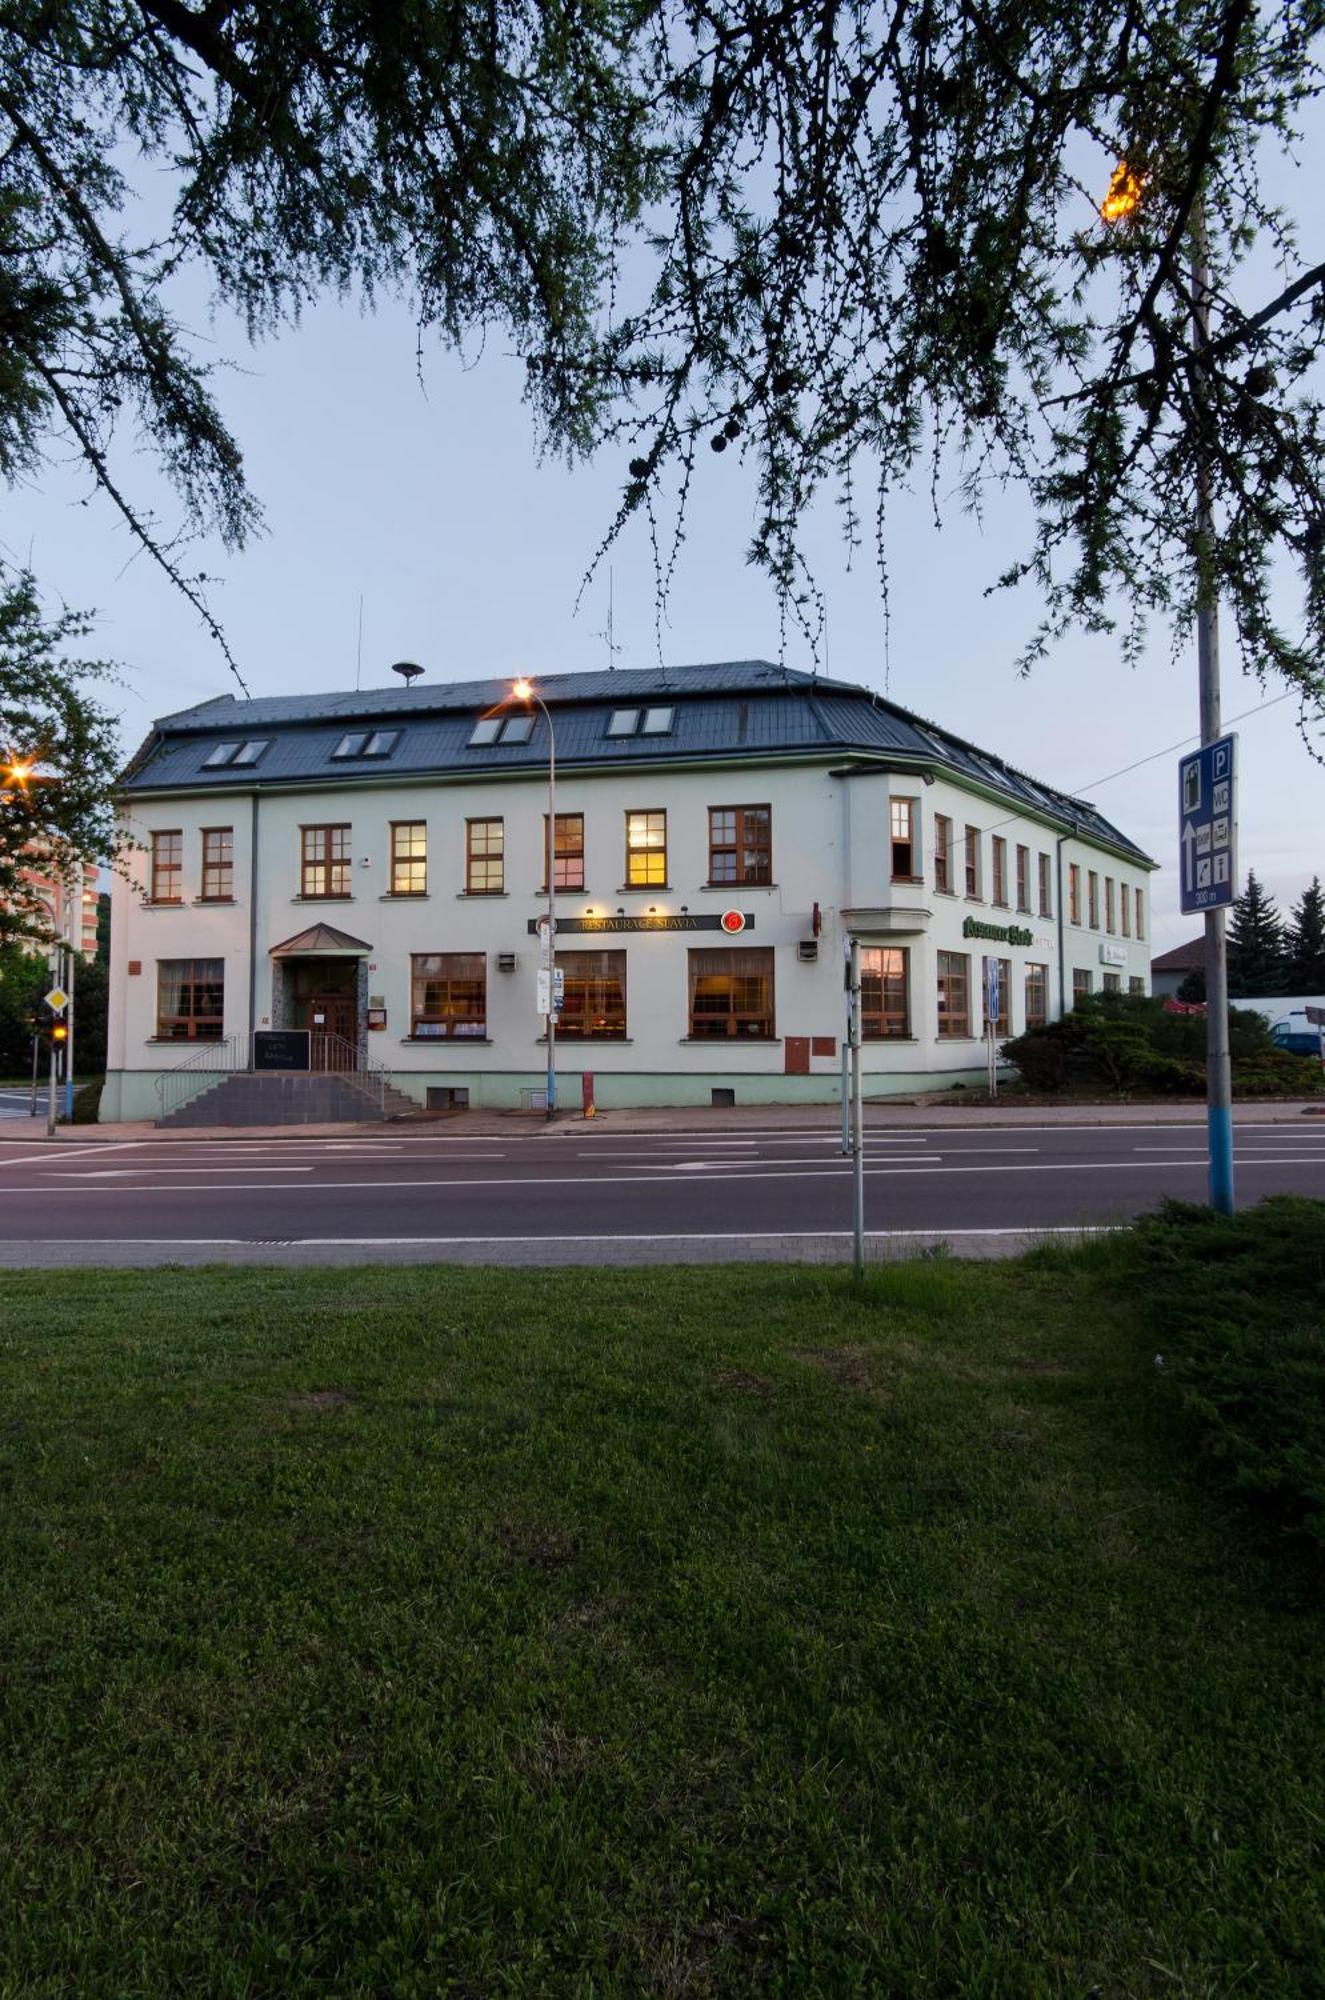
x,y
330,1054
207,1064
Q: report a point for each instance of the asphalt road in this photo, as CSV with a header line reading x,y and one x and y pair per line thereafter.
x,y
595,1197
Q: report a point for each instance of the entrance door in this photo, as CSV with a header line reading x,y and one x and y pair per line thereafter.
x,y
332,1041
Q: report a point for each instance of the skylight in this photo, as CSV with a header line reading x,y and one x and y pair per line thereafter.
x,y
623,722
658,721
362,743
235,753
502,729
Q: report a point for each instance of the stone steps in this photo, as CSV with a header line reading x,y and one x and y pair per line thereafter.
x,y
264,1097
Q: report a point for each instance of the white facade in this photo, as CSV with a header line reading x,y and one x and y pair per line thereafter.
x,y
832,872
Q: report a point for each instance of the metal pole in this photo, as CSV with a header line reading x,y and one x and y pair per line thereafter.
x,y
69,1042
50,1100
1218,1064
846,1085
857,1124
36,1060
551,1093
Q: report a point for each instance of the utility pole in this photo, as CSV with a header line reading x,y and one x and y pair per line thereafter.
x,y
1218,1062
857,1124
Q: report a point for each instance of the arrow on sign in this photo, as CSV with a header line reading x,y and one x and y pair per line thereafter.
x,y
1188,843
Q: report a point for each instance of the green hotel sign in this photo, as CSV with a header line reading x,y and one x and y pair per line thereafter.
x,y
1000,933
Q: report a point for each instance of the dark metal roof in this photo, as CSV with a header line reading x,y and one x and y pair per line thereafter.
x,y
732,709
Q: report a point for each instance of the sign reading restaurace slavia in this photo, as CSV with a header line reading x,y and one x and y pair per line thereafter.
x,y
714,923
1000,933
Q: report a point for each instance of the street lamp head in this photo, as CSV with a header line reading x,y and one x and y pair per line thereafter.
x,y
522,689
18,771
1124,196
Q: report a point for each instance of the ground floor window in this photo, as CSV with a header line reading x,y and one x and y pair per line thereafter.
x,y
954,989
190,999
1037,995
449,992
1136,987
731,994
593,1005
885,992
1081,985
1113,982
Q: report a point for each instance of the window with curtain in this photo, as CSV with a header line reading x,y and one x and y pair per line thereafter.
x,y
485,857
190,999
449,994
954,992
731,994
593,1005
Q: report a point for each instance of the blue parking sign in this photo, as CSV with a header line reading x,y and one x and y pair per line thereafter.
x,y
1208,827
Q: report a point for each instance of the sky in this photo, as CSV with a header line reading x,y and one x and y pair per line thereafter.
x,y
424,500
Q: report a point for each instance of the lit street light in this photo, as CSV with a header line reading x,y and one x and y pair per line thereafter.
x,y
523,691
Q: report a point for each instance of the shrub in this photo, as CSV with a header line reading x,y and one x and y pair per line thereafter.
x,y
1123,1042
1237,1309
87,1102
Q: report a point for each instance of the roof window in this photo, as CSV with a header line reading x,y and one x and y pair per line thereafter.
x,y
623,722
657,721
502,729
363,743
235,753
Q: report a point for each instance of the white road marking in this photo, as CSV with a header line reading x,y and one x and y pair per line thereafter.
x,y
930,1166
675,1236
122,1173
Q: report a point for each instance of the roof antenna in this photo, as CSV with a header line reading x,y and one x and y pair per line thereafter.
x,y
358,656
612,648
407,670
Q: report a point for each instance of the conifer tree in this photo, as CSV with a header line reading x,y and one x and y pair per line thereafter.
x,y
1306,941
1257,960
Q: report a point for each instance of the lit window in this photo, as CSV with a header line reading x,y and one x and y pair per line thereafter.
x,y
885,1012
623,722
646,850
657,722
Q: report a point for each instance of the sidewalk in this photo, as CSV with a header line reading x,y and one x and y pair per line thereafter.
x,y
881,1115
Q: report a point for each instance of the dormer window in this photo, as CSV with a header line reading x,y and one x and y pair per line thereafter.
x,y
503,729
235,753
365,743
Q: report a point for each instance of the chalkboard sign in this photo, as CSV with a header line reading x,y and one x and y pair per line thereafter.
x,y
280,1048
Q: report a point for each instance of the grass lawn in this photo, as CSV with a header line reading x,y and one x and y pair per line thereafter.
x,y
416,1632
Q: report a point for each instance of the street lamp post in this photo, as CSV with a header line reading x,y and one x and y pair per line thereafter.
x,y
524,692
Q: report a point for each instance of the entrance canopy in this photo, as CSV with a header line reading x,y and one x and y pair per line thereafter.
x,y
322,941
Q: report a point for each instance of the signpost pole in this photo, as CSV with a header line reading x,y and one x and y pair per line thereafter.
x,y
1218,1063
846,1084
69,1042
857,1124
50,1101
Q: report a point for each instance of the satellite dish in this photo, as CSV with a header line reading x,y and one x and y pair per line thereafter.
x,y
407,670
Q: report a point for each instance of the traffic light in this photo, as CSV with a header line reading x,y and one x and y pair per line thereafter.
x,y
59,1033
